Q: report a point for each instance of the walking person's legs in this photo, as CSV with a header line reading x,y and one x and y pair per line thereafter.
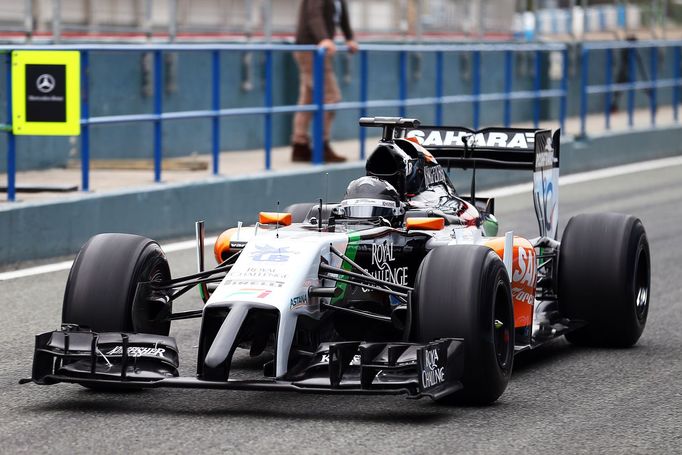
x,y
332,94
300,138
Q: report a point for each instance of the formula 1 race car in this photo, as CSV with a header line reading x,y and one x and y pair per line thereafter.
x,y
402,287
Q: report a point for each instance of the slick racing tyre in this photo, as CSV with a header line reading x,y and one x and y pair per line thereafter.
x,y
604,278
463,291
103,282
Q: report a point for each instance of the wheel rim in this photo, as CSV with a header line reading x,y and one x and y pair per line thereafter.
x,y
156,308
149,314
502,326
642,285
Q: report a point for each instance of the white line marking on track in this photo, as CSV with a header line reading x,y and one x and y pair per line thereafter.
x,y
512,190
66,265
588,176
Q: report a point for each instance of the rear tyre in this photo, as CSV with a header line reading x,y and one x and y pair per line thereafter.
x,y
604,278
463,291
103,281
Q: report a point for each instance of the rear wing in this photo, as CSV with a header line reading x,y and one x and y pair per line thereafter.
x,y
488,148
535,150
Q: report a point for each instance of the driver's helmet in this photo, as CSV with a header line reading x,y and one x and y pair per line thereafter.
x,y
371,197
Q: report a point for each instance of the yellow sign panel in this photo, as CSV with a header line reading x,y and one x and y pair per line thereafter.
x,y
46,93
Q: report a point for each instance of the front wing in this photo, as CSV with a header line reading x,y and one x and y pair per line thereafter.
x,y
123,360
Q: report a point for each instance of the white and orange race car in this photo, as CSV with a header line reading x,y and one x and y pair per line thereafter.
x,y
404,286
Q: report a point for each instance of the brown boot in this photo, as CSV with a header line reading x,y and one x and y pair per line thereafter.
x,y
330,156
300,152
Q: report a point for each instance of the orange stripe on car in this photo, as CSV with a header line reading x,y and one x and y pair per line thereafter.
x,y
425,224
282,218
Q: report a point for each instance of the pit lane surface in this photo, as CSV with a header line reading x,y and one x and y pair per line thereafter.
x,y
561,398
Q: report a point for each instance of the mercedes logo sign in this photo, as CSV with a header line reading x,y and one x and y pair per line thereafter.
x,y
45,83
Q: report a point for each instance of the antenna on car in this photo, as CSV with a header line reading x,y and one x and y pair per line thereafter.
x,y
277,222
326,188
319,217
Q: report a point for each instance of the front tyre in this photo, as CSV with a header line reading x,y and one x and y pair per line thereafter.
x,y
604,278
463,291
104,278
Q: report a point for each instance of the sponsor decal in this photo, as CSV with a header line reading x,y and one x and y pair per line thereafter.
x,y
137,351
298,301
523,285
263,273
494,139
524,273
382,256
368,201
355,361
433,174
544,159
520,295
269,284
45,83
254,293
433,373
267,253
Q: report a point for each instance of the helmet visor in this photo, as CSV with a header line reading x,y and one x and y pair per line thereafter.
x,y
369,208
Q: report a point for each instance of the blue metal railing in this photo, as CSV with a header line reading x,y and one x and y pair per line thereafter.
x,y
268,109
609,88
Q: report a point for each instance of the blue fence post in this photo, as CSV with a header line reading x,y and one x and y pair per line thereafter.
x,y
364,74
563,101
85,125
536,87
215,105
158,106
631,90
476,87
268,115
318,98
677,60
653,61
607,93
439,88
11,140
508,75
583,90
402,84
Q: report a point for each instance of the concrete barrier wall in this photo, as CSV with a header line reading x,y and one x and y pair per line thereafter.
x,y
40,230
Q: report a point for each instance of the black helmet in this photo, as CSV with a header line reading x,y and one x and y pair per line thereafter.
x,y
371,197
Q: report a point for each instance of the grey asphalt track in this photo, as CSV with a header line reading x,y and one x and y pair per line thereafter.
x,y
561,399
